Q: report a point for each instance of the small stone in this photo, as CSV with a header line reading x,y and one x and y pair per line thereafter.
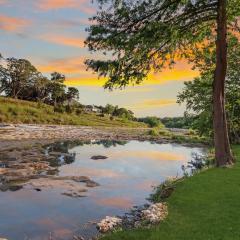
x,y
98,157
91,184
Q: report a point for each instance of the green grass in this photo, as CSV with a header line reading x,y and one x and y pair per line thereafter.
x,y
18,111
203,207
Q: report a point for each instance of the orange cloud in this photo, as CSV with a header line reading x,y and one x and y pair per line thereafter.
x,y
180,72
12,24
46,5
158,102
75,65
62,40
86,81
65,66
153,103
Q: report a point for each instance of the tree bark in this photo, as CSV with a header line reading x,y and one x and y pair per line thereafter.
x,y
223,154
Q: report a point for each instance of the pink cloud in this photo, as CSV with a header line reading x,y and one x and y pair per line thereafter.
x,y
62,40
13,24
83,5
65,65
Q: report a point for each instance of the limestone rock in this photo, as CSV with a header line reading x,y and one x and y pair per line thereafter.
x,y
108,224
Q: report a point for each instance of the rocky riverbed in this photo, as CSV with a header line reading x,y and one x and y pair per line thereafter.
x,y
34,166
48,132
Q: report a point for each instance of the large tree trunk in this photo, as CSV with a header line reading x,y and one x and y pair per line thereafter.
x,y
223,152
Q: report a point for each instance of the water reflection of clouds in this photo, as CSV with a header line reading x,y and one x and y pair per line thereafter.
x,y
146,185
152,155
118,202
91,172
59,226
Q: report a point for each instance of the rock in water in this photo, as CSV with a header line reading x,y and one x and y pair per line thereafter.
x,y
98,157
108,224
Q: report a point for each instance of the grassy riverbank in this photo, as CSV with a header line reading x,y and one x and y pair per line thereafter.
x,y
205,206
18,111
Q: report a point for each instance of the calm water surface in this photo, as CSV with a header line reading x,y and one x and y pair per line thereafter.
x,y
126,179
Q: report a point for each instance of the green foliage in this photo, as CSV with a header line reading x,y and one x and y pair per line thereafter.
x,y
164,190
21,80
79,111
115,111
68,109
142,36
165,132
198,94
177,122
72,93
108,109
153,122
197,207
59,109
153,132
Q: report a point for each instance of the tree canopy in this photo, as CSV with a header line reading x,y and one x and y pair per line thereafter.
x,y
143,36
20,79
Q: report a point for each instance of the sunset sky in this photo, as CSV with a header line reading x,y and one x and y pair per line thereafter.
x,y
51,33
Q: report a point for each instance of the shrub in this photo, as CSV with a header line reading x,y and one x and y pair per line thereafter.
x,y
13,111
165,133
78,111
152,122
153,132
68,109
59,109
164,190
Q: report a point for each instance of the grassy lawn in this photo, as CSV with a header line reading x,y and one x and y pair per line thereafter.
x,y
17,111
203,207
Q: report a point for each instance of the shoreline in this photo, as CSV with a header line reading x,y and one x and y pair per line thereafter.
x,y
31,134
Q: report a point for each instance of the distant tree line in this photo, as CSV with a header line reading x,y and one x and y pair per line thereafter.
x,y
19,79
178,122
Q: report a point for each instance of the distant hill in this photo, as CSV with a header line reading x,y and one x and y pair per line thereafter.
x,y
19,111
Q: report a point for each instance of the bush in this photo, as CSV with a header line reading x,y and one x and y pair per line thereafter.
x,y
78,111
165,133
153,132
68,109
152,122
179,138
13,111
164,190
59,109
